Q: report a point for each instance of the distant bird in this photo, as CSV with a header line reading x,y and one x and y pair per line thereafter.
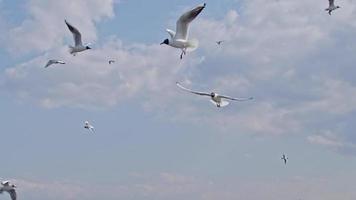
x,y
332,7
78,45
51,62
9,188
179,39
216,99
284,158
88,126
220,42
111,62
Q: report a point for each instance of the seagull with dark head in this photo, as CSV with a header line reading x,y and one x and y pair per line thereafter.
x,y
88,126
180,38
9,188
78,44
217,99
332,7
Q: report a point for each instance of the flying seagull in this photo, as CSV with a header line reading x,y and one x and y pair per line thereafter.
x,y
284,158
332,7
51,62
220,42
111,62
10,188
179,39
78,45
216,99
88,126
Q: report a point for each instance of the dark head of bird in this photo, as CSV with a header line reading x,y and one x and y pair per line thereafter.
x,y
87,47
166,41
338,7
212,94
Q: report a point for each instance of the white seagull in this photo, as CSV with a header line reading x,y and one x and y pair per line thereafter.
x,y
88,126
179,39
78,45
284,158
216,99
332,7
51,62
9,188
111,62
219,42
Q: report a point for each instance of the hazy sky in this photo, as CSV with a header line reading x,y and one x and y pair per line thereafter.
x,y
156,142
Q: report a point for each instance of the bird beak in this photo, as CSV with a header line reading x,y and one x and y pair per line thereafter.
x,y
161,43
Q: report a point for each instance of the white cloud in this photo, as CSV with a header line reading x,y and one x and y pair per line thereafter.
x,y
44,29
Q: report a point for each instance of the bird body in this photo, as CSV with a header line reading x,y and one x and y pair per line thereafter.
x,y
9,188
284,158
180,38
77,36
216,99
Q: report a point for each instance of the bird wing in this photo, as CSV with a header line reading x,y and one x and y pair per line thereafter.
x,y
76,34
12,194
236,99
183,22
331,3
191,91
50,62
5,183
171,33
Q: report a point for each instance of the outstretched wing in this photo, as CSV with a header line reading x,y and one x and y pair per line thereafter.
x,y
191,91
183,22
12,194
237,99
76,34
50,62
331,3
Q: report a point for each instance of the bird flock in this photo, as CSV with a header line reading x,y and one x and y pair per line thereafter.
x,y
178,39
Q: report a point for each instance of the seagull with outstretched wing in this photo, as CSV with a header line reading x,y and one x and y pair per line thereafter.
x,y
332,7
216,99
9,188
180,38
77,36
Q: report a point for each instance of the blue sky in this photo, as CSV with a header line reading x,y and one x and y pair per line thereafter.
x,y
154,141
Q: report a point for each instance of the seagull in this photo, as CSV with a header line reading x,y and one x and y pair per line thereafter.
x,y
284,158
332,7
216,99
10,188
51,62
179,39
88,126
111,62
79,47
220,42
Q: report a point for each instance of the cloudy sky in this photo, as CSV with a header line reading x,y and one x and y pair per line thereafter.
x,y
152,140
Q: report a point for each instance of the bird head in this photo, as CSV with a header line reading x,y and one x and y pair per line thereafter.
x,y
87,47
166,41
213,94
13,186
338,7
